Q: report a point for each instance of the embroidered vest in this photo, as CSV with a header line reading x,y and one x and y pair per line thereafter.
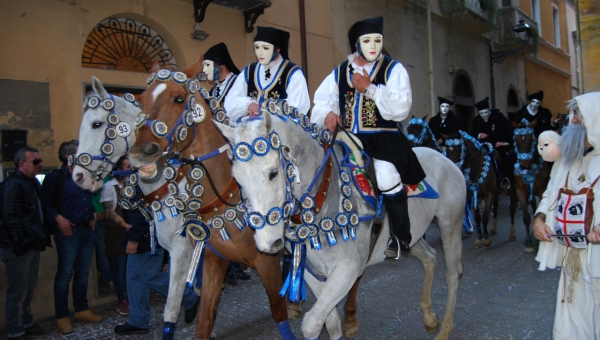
x,y
221,98
275,87
574,214
364,113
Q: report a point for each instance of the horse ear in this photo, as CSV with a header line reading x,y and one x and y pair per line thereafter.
x,y
193,69
425,118
227,131
155,66
98,88
413,116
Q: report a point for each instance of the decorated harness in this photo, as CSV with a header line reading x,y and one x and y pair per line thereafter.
x,y
425,131
528,175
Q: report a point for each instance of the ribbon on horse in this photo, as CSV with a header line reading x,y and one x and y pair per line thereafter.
x,y
295,285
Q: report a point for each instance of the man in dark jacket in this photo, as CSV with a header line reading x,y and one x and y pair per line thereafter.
x,y
21,240
535,113
445,124
492,127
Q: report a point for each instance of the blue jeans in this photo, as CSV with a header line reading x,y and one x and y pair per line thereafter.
x,y
101,259
118,265
74,260
21,277
144,272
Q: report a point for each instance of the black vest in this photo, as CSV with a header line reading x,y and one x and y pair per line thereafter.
x,y
223,94
365,113
278,82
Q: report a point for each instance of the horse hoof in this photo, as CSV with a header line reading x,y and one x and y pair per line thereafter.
x,y
477,244
351,328
487,242
512,239
294,310
435,327
493,232
529,250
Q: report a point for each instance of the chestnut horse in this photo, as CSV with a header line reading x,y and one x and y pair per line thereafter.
x,y
476,161
532,174
419,134
172,106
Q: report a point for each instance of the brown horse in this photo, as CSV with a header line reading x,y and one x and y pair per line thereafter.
x,y
418,133
483,182
164,101
531,174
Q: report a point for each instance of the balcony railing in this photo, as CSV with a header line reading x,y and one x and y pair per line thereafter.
x,y
506,19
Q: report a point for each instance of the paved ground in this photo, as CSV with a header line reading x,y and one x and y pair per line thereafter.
x,y
502,296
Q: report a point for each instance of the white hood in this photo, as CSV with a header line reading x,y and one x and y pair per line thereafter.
x,y
589,107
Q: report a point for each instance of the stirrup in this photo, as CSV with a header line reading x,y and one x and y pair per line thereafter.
x,y
390,253
505,183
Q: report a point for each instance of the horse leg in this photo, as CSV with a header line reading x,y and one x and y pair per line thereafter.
x,y
489,200
512,194
181,254
523,200
478,242
426,254
350,320
494,229
269,271
294,309
451,238
329,294
212,282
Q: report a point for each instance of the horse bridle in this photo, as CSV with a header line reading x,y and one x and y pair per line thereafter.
x,y
528,175
114,128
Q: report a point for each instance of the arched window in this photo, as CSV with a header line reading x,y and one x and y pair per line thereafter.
x,y
463,98
126,45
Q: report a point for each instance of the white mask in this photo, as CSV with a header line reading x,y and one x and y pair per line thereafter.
x,y
265,52
444,109
535,104
370,46
208,67
485,114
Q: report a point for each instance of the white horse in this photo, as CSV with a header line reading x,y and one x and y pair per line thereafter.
x,y
93,139
258,169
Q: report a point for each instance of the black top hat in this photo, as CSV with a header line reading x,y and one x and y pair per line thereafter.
x,y
367,26
445,101
276,37
538,95
220,55
482,105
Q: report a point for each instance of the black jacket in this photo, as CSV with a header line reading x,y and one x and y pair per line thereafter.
x,y
22,216
450,127
497,128
543,118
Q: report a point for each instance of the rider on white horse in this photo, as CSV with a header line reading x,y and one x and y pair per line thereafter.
x,y
368,95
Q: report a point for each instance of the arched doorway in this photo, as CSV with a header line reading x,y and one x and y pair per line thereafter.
x,y
462,89
126,45
512,102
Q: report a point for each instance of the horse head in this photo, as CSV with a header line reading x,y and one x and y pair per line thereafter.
x,y
172,107
525,146
416,132
106,132
258,169
455,150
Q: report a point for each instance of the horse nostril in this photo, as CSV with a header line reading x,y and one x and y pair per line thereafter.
x,y
150,149
277,245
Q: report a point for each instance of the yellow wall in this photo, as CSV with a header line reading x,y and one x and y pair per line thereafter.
x,y
589,26
557,88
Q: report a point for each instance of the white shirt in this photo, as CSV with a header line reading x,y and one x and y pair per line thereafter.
x,y
222,86
393,100
109,194
237,101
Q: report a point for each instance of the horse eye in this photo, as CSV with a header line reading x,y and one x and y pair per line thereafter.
x,y
96,125
272,175
178,100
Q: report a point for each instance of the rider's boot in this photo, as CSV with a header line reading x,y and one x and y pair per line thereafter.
x,y
397,210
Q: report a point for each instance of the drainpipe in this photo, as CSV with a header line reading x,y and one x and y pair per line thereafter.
x,y
430,50
303,38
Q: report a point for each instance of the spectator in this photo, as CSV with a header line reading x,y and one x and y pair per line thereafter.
x,y
21,240
115,233
74,237
104,266
144,272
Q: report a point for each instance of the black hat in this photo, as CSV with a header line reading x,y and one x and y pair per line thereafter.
x,y
276,37
482,105
445,101
538,95
220,55
367,26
